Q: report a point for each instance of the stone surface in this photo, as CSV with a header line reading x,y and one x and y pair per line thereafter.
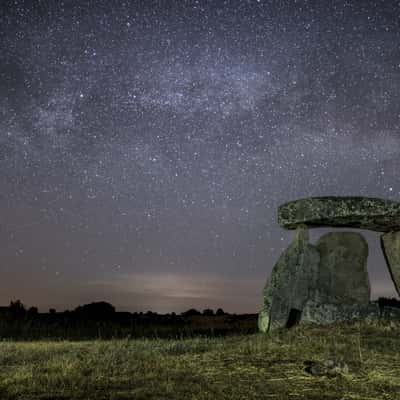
x,y
342,275
323,314
327,368
291,283
263,321
352,212
391,313
390,243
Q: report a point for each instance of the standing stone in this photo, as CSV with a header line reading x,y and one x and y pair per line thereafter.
x,y
291,283
390,243
343,276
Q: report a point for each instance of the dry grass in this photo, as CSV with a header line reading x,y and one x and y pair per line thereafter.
x,y
236,367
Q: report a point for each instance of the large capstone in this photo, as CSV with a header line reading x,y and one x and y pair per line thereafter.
x,y
352,212
390,243
291,283
343,275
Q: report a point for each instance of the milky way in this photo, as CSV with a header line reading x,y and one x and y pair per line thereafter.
x,y
145,146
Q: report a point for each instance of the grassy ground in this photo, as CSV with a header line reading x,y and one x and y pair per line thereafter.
x,y
236,367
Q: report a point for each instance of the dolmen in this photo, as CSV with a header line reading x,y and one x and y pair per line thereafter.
x,y
328,281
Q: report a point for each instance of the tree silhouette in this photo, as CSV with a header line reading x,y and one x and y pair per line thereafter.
x,y
191,312
96,311
17,309
32,312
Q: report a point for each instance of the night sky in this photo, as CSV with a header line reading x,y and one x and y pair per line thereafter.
x,y
146,145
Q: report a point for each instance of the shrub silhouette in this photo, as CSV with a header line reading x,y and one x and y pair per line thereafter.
x,y
96,311
190,313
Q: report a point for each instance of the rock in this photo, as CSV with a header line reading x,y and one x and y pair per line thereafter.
x,y
391,313
390,243
327,368
325,313
290,285
343,276
263,321
352,212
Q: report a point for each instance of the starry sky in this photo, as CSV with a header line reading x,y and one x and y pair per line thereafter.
x,y
146,145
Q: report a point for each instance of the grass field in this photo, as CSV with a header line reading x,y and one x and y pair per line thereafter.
x,y
253,366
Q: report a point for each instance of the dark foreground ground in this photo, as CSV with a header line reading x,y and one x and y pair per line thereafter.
x,y
253,366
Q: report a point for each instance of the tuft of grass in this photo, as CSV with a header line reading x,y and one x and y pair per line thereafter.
x,y
256,366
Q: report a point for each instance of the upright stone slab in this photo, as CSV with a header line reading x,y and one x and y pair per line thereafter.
x,y
291,283
390,243
343,275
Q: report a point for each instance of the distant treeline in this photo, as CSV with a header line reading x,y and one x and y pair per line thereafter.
x,y
101,320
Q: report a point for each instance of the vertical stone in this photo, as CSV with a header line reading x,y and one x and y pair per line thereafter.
x,y
343,276
291,283
390,243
